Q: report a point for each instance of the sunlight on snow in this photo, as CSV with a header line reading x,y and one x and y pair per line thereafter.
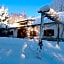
x,y
58,47
50,45
9,52
22,56
24,47
59,56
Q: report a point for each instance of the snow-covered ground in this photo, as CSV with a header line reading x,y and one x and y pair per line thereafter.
x,y
23,51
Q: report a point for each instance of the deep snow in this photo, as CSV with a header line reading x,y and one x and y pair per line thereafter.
x,y
23,51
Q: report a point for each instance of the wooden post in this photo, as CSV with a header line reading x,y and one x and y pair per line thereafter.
x,y
58,35
41,30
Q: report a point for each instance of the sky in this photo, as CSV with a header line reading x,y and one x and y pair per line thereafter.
x,y
30,7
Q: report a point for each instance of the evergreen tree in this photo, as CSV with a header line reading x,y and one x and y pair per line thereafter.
x,y
3,15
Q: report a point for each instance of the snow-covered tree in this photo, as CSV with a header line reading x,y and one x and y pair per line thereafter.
x,y
3,15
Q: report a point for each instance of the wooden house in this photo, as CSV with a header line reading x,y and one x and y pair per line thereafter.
x,y
23,29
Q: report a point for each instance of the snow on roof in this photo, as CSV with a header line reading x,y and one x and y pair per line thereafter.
x,y
26,19
44,9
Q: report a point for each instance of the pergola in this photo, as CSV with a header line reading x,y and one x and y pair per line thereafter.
x,y
46,11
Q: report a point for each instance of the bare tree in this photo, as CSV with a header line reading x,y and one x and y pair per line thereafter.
x,y
57,5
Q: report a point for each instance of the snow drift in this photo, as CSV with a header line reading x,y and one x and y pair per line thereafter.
x,y
23,51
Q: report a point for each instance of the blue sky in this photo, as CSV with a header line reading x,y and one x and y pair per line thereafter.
x,y
29,6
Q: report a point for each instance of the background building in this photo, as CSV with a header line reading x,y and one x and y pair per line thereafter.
x,y
15,17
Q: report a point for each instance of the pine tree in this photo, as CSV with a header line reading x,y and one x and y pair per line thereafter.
x,y
3,15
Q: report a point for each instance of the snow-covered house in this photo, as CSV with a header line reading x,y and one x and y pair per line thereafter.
x,y
24,28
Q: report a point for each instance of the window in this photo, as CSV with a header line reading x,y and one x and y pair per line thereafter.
x,y
49,32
